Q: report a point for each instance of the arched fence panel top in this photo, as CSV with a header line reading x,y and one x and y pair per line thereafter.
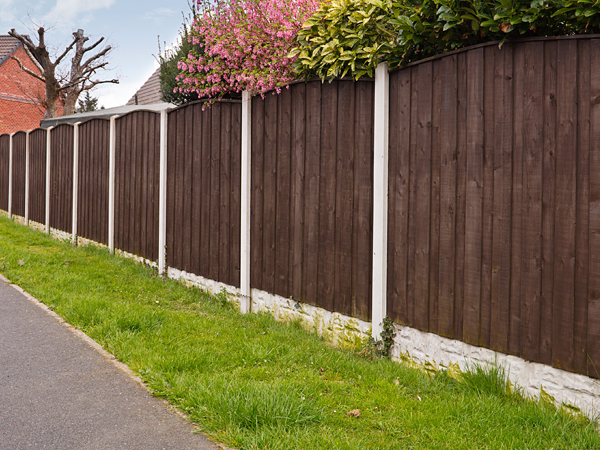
x,y
95,120
38,132
496,44
206,104
138,113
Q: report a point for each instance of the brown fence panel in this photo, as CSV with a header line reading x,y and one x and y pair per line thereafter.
x,y
18,173
37,175
204,182
494,207
92,198
137,169
312,178
61,178
4,170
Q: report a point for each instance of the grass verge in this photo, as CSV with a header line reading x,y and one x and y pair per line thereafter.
x,y
252,383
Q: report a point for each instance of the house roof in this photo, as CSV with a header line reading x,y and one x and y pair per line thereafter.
x,y
9,45
149,93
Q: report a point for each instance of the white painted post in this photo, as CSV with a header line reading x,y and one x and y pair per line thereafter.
x,y
111,186
48,184
75,181
10,174
162,199
245,301
380,198
27,178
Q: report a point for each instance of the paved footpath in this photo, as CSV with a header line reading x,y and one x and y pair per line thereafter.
x,y
57,392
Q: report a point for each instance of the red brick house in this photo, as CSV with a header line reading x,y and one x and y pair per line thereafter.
x,y
21,95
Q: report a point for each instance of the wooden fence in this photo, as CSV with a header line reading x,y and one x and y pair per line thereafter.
x,y
493,215
494,210
37,175
4,170
92,199
203,186
311,227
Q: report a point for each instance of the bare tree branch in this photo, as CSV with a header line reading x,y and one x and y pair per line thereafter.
x,y
27,71
93,46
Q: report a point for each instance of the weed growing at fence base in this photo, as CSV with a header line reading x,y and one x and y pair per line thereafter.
x,y
253,383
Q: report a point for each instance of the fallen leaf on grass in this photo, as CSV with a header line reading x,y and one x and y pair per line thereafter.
x,y
354,413
67,262
397,382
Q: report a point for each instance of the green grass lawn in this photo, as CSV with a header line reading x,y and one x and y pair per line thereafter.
x,y
252,383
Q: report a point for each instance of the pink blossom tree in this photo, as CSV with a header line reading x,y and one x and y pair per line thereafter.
x,y
245,46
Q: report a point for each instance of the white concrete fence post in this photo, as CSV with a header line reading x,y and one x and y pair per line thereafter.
x,y
10,174
75,182
27,178
162,193
48,184
111,185
245,301
380,198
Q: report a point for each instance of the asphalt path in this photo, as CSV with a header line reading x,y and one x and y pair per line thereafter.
x,y
58,392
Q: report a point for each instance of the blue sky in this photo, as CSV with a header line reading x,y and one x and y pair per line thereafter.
x,y
132,27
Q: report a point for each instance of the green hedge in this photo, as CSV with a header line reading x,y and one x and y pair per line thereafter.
x,y
352,36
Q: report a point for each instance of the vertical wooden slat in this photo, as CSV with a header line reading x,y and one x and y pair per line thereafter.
x,y
225,180
474,197
171,175
207,215
501,240
363,179
532,199
144,198
566,185
593,325
448,172
235,195
311,273
582,249
400,108
326,261
282,200
412,195
297,188
488,194
344,196
423,195
434,220
187,175
197,206
514,336
256,213
215,177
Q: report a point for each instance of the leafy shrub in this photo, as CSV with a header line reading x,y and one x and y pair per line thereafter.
x,y
352,36
245,46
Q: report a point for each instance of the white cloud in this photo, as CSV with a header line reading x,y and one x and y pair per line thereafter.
x,y
7,13
158,14
65,11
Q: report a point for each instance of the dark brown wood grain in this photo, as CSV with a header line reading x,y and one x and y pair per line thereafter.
x,y
566,207
18,173
61,178
92,204
137,155
4,170
593,325
37,176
